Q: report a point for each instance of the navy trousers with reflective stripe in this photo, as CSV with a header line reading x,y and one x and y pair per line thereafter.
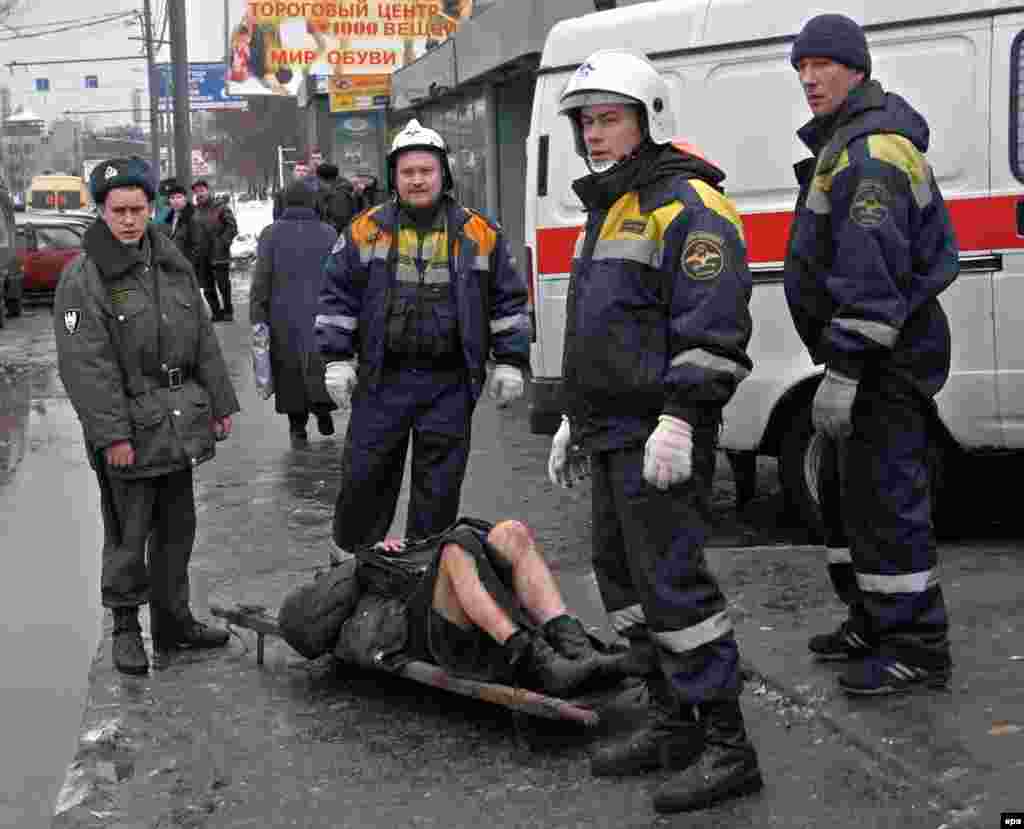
x,y
830,497
887,504
435,407
649,561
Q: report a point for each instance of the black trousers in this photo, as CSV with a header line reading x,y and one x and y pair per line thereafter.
x,y
218,280
149,528
297,420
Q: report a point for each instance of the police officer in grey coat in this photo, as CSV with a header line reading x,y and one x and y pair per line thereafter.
x,y
144,372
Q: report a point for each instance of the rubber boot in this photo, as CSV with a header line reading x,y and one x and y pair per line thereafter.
x,y
727,767
671,740
127,650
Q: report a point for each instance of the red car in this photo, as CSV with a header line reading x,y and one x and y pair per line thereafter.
x,y
46,243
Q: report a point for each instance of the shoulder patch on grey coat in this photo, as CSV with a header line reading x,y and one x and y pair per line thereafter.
x,y
72,319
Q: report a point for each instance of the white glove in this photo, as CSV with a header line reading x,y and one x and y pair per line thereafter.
x,y
833,405
558,471
668,453
340,379
506,384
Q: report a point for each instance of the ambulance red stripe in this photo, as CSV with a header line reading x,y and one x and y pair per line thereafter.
x,y
984,223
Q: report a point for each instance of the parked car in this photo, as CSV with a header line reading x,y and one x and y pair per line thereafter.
x,y
11,274
46,243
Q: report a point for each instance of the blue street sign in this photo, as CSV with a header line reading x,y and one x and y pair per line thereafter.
x,y
42,84
92,81
206,88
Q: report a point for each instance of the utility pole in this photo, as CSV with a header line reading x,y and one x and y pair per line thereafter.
x,y
154,89
182,116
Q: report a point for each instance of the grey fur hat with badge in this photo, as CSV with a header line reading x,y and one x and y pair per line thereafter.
x,y
121,172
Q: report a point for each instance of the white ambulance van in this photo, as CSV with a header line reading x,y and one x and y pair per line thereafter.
x,y
959,62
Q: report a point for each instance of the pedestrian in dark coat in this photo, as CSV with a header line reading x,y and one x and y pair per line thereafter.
x,y
215,228
145,374
178,223
283,296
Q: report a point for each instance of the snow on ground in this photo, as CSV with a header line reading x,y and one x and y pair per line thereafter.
x,y
252,217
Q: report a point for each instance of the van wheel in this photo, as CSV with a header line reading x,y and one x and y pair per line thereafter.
x,y
799,467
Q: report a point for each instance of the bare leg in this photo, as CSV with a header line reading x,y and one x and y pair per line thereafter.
x,y
531,578
462,599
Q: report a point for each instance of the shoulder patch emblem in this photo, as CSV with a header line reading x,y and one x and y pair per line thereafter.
x,y
339,244
703,256
72,319
870,206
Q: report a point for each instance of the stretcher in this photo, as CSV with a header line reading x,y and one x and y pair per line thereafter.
x,y
583,710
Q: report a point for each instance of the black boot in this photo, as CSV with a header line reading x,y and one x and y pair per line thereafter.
x,y
127,650
727,767
568,637
297,430
671,740
531,660
325,424
171,634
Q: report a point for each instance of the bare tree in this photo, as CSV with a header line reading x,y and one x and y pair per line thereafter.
x,y
10,7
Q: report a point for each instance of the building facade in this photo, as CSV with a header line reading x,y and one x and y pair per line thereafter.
x,y
24,143
476,89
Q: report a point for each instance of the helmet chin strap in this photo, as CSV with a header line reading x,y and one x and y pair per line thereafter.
x,y
602,167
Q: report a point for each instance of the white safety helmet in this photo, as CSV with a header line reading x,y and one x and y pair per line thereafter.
x,y
415,136
619,76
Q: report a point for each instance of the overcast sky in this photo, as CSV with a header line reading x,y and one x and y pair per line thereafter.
x,y
116,79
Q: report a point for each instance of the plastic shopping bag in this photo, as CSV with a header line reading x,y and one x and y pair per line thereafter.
x,y
261,360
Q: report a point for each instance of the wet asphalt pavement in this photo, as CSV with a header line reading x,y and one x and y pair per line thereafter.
x,y
212,740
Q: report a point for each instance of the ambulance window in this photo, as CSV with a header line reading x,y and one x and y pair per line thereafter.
x,y
1017,107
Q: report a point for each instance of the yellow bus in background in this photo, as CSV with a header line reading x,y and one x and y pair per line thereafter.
x,y
56,192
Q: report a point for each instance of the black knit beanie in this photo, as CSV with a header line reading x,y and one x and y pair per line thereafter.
x,y
833,36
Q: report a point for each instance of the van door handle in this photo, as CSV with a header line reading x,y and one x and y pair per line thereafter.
x,y
1020,217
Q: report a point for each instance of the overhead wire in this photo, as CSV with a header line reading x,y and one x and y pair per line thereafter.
x,y
26,36
72,21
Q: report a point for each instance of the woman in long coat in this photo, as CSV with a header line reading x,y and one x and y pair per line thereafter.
x,y
283,295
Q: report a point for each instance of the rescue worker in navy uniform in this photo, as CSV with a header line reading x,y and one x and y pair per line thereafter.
x,y
657,325
144,372
421,292
871,249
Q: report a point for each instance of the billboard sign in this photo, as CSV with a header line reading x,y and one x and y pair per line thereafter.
x,y
275,45
206,88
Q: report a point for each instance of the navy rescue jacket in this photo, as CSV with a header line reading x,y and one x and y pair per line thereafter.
x,y
359,283
657,317
872,245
